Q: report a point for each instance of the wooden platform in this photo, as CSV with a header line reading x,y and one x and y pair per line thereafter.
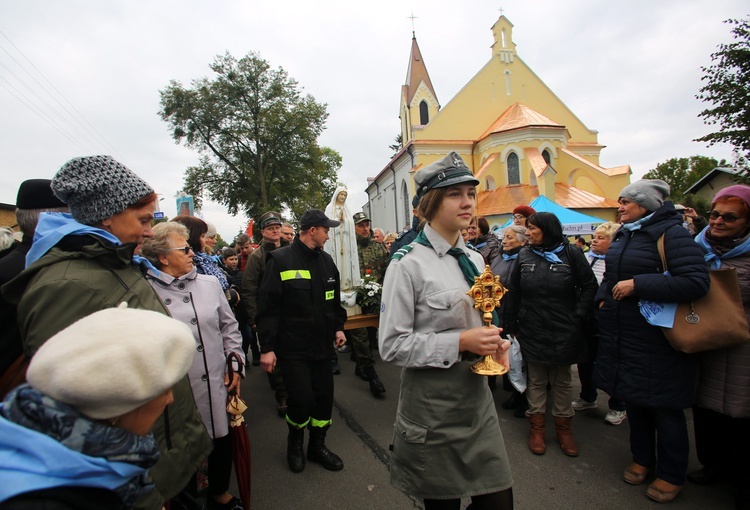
x,y
362,321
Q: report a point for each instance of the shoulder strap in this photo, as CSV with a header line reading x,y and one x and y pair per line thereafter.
x,y
660,248
402,251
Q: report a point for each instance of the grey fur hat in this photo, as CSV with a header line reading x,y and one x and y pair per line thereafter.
x,y
648,193
97,187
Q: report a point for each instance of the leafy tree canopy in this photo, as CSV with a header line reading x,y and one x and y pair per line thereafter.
x,y
257,138
681,173
727,91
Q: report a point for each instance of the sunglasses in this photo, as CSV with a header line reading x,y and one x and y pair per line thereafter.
x,y
183,249
727,217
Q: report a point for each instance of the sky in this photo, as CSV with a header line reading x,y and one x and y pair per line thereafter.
x,y
83,77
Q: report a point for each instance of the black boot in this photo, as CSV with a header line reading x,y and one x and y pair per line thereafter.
x,y
513,401
294,444
376,386
318,452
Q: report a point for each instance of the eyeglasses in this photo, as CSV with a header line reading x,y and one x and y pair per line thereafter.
x,y
183,249
727,217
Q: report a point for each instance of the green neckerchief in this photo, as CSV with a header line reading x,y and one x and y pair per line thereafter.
x,y
468,268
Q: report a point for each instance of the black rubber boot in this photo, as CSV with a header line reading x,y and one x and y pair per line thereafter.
x,y
318,452
295,455
376,385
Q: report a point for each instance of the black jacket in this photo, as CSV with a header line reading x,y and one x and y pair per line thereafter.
x,y
635,363
299,303
547,304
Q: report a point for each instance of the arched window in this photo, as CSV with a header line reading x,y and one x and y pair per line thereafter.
x,y
424,115
502,37
514,169
489,183
546,156
507,83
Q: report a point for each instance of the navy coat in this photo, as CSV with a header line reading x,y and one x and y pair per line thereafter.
x,y
635,363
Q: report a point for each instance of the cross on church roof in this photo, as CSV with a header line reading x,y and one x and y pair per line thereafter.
x,y
501,11
412,18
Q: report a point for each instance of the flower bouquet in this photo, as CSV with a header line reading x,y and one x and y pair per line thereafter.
x,y
369,295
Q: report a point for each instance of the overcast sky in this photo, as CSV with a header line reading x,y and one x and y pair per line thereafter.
x,y
627,69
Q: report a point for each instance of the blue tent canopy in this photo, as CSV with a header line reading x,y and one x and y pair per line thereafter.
x,y
573,222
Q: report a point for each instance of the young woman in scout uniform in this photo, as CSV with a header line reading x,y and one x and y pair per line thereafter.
x,y
447,443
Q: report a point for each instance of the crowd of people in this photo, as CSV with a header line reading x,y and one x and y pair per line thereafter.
x,y
93,280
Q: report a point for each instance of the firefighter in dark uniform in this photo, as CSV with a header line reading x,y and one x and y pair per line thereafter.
x,y
299,319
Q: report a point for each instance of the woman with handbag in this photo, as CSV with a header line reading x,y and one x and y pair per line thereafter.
x,y
635,362
198,301
550,294
721,413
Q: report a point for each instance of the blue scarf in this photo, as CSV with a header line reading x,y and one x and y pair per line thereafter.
x,y
510,257
45,443
593,255
53,227
468,269
636,225
714,260
205,265
550,255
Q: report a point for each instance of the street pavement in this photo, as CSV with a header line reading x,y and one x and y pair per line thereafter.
x,y
361,434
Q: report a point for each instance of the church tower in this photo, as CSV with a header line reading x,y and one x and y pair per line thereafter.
x,y
419,102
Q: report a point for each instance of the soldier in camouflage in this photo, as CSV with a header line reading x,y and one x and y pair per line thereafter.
x,y
373,259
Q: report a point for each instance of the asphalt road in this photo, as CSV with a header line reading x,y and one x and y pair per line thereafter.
x,y
361,434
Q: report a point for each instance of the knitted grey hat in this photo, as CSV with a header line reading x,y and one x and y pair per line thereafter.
x,y
97,187
648,193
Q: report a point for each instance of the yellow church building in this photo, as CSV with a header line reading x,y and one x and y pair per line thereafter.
x,y
520,140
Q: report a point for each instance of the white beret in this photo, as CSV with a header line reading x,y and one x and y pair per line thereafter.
x,y
113,361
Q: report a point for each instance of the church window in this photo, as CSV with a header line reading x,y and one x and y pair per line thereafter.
x,y
502,37
546,156
489,183
514,169
424,115
507,83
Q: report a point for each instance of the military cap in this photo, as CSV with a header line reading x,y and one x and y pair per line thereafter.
x,y
360,217
448,171
269,218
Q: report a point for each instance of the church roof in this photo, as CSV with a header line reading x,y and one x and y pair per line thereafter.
x,y
416,73
519,116
504,199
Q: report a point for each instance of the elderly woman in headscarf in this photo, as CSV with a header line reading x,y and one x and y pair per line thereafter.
x,y
84,262
721,412
635,362
197,300
78,435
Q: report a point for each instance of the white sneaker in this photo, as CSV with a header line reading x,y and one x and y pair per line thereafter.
x,y
581,405
616,417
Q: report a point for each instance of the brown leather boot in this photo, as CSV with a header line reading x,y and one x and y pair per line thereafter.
x,y
536,436
565,436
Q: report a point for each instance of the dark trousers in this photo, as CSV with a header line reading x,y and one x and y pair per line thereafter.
x,y
360,341
309,384
724,442
659,437
220,466
588,387
249,340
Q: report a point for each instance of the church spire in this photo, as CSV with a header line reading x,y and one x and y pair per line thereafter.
x,y
418,99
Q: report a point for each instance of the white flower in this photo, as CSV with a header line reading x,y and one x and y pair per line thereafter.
x,y
371,293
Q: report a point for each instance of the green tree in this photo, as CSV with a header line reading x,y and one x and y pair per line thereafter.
x,y
257,138
727,90
397,145
681,173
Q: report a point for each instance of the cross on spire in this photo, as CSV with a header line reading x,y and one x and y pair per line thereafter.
x,y
412,18
501,11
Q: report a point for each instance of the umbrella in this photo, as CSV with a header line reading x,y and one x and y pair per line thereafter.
x,y
238,435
